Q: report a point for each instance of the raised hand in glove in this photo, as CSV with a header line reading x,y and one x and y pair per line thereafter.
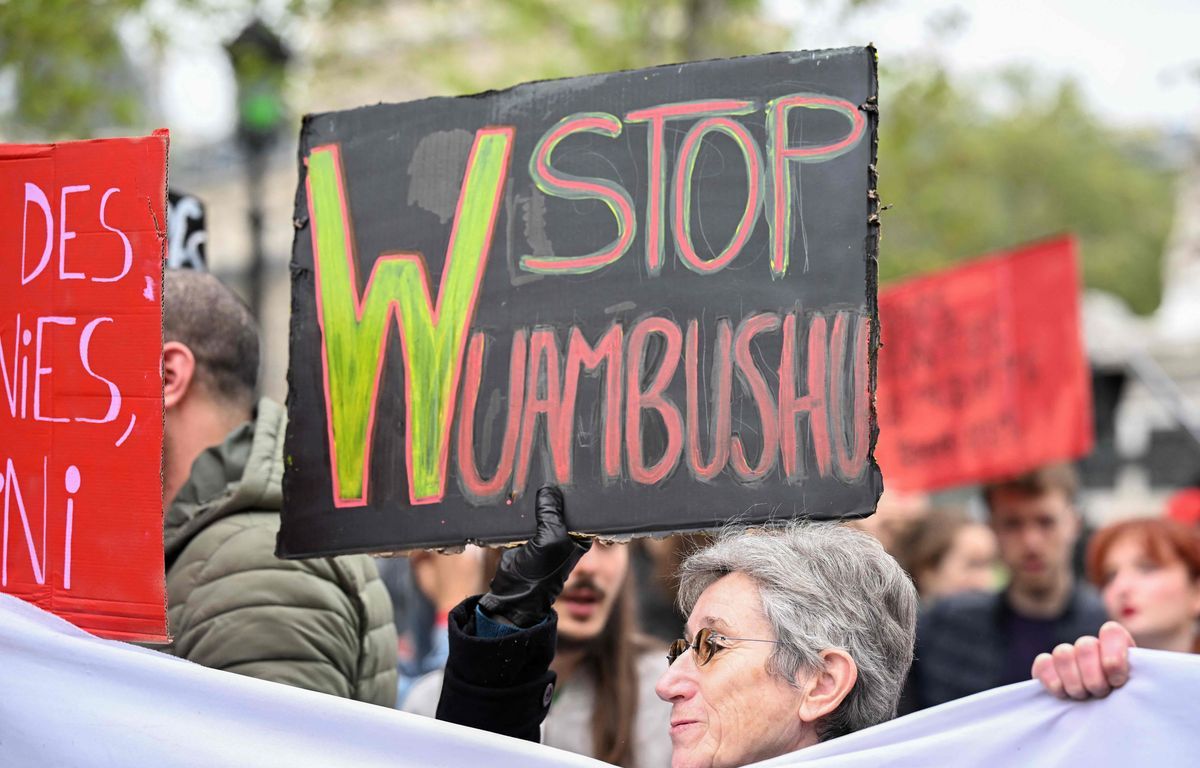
x,y
530,577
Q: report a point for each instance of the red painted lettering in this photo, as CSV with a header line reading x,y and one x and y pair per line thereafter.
x,y
544,377
752,379
652,398
568,187
810,404
472,483
657,176
779,212
853,423
681,219
719,401
580,355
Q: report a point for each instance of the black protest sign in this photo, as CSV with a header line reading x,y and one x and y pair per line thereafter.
x,y
186,232
655,289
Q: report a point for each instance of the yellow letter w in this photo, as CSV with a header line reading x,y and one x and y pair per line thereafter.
x,y
432,334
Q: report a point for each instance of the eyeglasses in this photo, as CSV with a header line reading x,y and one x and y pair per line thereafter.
x,y
706,645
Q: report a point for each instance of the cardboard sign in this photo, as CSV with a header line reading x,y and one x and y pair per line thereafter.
x,y
982,372
655,289
82,244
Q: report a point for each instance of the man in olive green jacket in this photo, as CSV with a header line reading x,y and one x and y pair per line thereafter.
x,y
323,624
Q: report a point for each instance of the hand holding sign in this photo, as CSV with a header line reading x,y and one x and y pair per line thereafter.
x,y
530,577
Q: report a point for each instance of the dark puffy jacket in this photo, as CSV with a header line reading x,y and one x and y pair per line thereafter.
x,y
323,624
962,644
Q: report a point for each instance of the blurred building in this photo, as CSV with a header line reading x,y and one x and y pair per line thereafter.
x,y
1146,379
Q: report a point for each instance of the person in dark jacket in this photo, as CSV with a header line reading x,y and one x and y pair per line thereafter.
x,y
323,624
976,641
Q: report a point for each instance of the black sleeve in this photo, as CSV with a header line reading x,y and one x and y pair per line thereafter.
x,y
912,696
908,694
503,684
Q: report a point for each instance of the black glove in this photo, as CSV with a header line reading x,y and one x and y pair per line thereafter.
x,y
530,577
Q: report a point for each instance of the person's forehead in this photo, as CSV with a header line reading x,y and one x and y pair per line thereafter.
x,y
613,554
1124,548
970,544
730,603
1011,503
716,623
1131,546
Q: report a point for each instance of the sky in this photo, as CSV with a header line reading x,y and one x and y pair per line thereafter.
x,y
1137,63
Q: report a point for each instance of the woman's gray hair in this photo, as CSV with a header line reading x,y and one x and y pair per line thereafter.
x,y
822,586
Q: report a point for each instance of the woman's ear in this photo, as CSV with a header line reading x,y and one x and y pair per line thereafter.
x,y
178,369
825,690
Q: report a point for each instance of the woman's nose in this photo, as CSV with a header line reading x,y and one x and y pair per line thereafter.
x,y
678,682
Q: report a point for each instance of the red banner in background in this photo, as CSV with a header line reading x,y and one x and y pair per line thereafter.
x,y
82,238
982,373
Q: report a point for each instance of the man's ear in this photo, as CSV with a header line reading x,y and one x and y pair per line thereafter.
x,y
1076,521
825,690
179,368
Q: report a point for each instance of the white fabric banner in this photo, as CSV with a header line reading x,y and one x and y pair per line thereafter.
x,y
70,699
1150,721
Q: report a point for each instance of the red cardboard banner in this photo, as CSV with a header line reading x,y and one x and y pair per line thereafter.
x,y
82,238
982,373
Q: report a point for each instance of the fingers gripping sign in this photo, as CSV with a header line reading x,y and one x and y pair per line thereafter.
x,y
1091,668
531,576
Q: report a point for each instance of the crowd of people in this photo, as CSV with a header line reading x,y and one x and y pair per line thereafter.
x,y
783,637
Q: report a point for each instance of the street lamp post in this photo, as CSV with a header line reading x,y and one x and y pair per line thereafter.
x,y
259,61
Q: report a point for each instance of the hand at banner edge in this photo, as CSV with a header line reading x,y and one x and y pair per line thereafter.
x,y
1090,668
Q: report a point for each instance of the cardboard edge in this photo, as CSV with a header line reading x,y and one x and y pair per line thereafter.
x,y
874,235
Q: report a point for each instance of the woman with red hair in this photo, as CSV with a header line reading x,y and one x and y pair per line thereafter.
x,y
1149,573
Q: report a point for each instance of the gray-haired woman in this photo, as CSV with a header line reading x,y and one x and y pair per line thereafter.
x,y
795,634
